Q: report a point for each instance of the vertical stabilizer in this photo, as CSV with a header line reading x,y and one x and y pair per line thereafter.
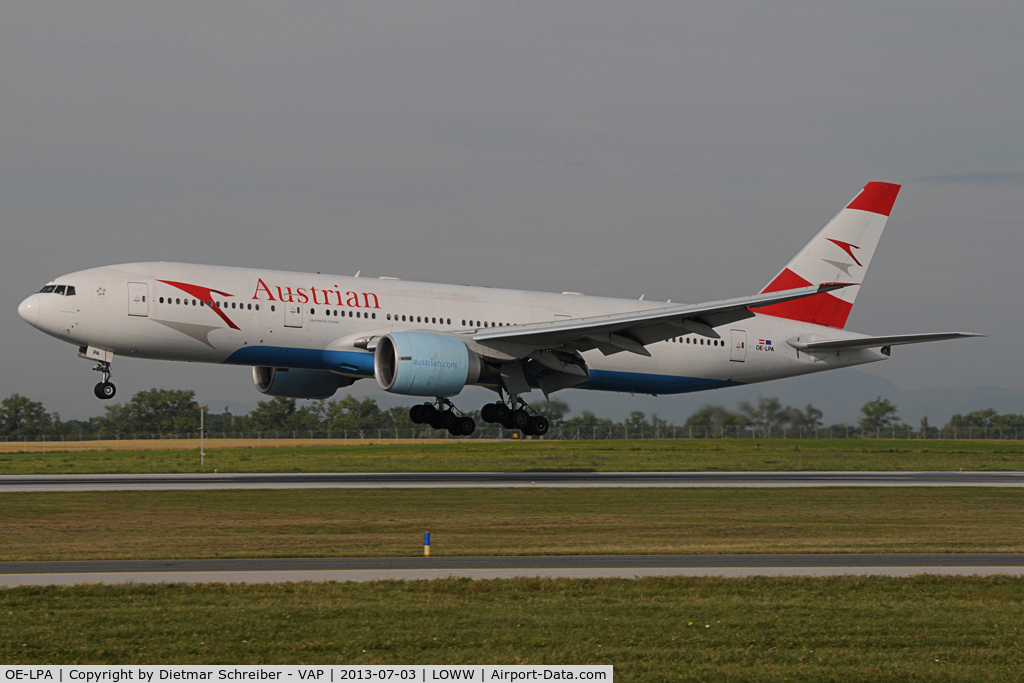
x,y
841,252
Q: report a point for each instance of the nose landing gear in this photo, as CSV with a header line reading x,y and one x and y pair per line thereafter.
x,y
104,390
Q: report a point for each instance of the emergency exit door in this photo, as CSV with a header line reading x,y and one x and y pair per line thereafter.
x,y
293,315
138,298
739,346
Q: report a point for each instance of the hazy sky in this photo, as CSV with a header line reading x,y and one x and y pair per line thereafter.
x,y
682,152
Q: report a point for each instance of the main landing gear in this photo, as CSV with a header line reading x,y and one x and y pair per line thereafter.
x,y
105,389
511,417
442,416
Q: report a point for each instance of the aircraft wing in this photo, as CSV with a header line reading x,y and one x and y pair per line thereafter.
x,y
876,342
632,331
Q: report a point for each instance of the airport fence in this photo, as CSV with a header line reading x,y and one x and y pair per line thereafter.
x,y
305,438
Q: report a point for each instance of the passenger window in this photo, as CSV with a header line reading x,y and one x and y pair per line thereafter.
x,y
257,307
463,323
47,289
70,292
312,311
350,314
177,301
273,308
433,320
449,321
161,299
419,319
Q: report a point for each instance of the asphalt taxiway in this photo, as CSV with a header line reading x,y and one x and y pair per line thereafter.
x,y
279,570
118,482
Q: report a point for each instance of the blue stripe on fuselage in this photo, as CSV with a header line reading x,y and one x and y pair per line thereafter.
x,y
642,383
360,363
348,362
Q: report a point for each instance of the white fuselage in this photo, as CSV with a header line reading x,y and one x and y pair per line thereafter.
x,y
305,320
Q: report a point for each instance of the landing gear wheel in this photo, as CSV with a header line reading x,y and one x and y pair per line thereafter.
x,y
501,414
428,413
487,413
520,418
105,390
447,419
466,426
416,414
539,425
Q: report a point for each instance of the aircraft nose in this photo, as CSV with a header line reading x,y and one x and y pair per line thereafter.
x,y
29,310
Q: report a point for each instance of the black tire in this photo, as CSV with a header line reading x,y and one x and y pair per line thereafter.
x,y
428,413
447,419
487,413
466,426
436,423
520,419
507,422
98,390
105,390
501,413
539,425
416,414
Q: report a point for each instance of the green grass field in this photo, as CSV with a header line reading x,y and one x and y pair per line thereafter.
x,y
505,521
667,629
600,456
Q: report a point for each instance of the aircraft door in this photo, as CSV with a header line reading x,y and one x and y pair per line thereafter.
x,y
138,299
293,315
739,346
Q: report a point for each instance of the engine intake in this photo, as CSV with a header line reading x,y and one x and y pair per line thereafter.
x,y
298,383
424,364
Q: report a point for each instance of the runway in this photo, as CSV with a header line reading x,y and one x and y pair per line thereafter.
x,y
278,570
122,482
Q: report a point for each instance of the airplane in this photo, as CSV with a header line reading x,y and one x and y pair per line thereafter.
x,y
305,335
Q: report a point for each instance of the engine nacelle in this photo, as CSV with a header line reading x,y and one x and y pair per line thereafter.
x,y
424,364
297,383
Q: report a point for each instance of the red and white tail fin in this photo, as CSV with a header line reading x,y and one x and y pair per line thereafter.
x,y
841,252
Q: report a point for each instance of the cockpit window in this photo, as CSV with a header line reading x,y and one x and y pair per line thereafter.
x,y
70,292
59,290
47,289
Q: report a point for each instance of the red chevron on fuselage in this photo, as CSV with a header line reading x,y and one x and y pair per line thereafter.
x,y
204,294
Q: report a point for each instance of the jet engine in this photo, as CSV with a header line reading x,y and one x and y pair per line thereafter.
x,y
298,383
425,364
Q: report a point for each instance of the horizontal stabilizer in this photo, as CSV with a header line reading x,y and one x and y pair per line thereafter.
x,y
876,342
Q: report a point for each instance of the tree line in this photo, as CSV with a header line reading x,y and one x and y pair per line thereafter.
x,y
170,413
